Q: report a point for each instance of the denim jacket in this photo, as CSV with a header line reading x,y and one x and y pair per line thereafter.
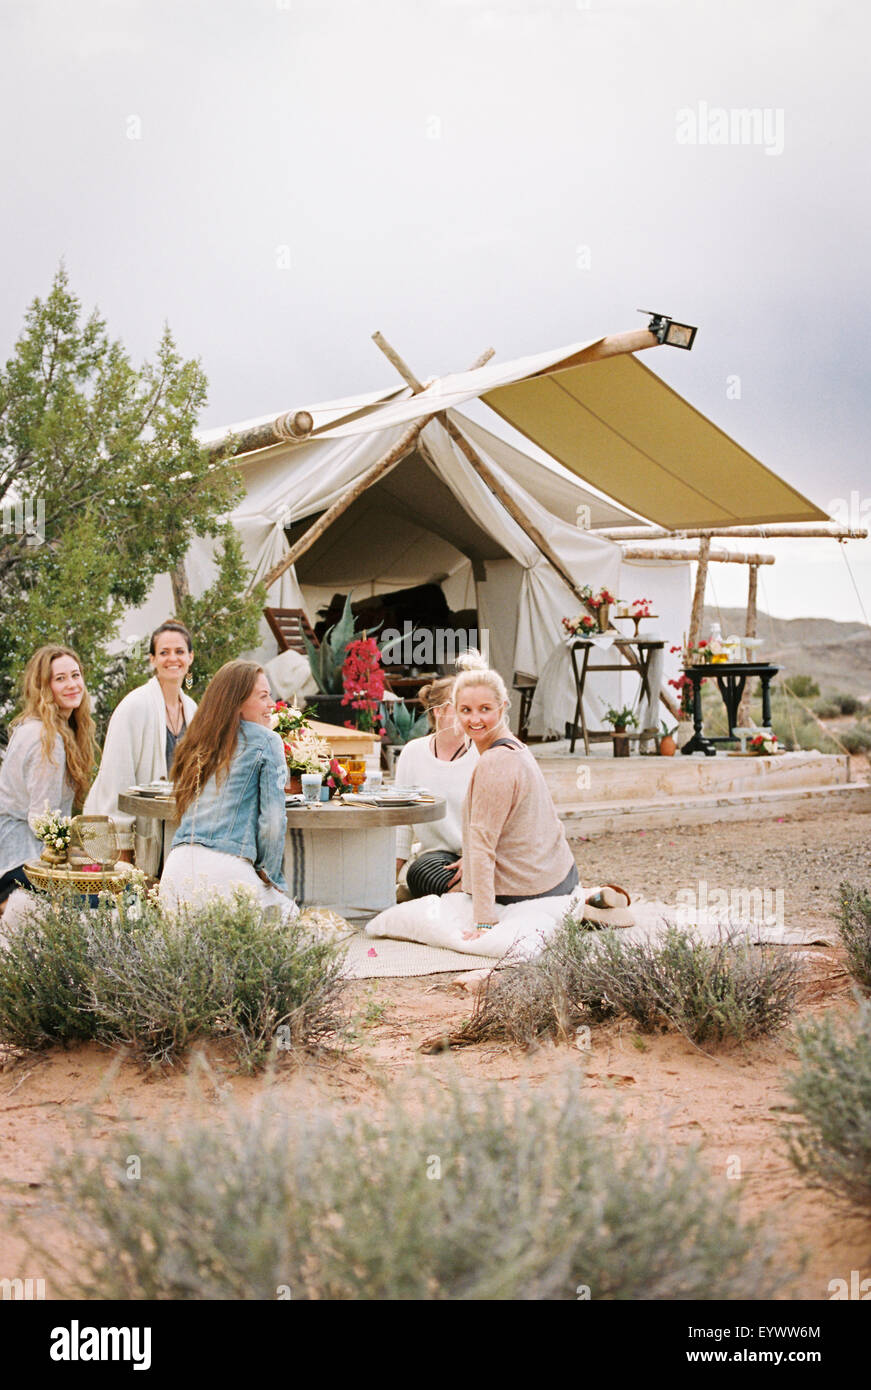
x,y
246,815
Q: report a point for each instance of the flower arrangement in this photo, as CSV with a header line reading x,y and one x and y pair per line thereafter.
x,y
581,625
764,744
337,779
304,751
693,653
363,684
53,829
594,601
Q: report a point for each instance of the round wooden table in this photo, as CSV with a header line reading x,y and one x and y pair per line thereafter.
x,y
337,855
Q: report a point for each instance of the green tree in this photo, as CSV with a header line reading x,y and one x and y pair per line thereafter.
x,y
101,462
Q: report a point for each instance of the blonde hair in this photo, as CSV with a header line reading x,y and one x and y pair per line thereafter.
x,y
77,732
438,692
207,748
473,670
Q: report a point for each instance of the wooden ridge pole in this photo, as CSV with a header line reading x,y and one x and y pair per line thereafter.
x,y
394,455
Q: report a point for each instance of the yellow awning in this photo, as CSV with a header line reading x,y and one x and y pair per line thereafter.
x,y
621,428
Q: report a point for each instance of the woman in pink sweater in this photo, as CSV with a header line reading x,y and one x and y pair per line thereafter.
x,y
514,846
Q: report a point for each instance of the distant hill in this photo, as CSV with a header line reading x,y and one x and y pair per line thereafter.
x,y
837,655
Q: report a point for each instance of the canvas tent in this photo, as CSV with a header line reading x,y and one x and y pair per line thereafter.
x,y
432,517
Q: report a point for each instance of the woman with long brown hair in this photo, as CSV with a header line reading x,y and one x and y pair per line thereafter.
x,y
229,776
50,758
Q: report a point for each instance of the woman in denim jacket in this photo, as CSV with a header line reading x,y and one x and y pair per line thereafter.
x,y
229,776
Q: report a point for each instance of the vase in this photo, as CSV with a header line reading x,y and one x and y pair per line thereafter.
x,y
621,743
53,856
294,782
603,616
667,746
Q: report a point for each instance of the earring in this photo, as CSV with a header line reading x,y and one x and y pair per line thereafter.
x,y
188,681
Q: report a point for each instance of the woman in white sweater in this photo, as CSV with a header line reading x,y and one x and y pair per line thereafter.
x,y
49,760
443,762
140,743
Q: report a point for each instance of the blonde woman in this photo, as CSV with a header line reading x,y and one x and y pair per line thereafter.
x,y
141,741
229,776
49,760
514,846
443,762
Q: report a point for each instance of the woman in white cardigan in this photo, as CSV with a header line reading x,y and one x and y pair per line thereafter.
x,y
140,743
443,762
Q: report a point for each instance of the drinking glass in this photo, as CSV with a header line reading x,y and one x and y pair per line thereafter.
x,y
311,788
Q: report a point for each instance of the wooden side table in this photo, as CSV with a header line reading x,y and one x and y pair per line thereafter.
x,y
635,654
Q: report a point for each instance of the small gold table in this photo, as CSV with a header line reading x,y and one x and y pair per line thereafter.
x,y
50,877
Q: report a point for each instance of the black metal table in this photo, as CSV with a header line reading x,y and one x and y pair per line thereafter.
x,y
731,677
636,653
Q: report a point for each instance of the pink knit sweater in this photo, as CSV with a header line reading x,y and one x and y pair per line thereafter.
x,y
513,842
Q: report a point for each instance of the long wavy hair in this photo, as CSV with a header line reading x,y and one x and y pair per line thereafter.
x,y
77,732
207,748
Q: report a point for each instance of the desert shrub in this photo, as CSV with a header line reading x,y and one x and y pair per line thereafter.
x,y
709,991
848,704
826,708
805,687
45,974
832,1091
139,977
854,929
466,1197
856,739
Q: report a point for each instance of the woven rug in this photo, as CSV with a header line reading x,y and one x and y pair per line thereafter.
x,y
381,957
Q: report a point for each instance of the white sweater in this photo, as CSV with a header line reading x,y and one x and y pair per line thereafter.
x,y
416,767
134,753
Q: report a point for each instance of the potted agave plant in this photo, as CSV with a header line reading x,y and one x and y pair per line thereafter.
x,y
666,745
401,725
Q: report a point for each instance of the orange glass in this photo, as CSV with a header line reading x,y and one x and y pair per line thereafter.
x,y
356,770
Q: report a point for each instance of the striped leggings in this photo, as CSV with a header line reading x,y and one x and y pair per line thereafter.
x,y
429,873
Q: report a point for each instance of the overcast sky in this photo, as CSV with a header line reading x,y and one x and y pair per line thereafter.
x,y
278,178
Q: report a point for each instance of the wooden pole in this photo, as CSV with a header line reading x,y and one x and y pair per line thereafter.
x,y
776,531
636,340
400,449
749,631
699,594
722,557
294,426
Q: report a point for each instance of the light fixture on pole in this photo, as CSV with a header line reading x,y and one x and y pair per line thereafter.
x,y
666,330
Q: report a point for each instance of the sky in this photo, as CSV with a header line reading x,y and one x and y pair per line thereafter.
x,y
277,179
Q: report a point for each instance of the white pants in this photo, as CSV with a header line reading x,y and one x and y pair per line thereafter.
x,y
195,875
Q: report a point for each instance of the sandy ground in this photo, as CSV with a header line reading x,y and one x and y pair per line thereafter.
x,y
732,1103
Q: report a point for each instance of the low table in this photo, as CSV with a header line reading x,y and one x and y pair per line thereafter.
x,y
48,877
337,856
731,677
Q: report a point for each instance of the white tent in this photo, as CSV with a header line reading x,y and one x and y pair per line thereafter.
x,y
433,518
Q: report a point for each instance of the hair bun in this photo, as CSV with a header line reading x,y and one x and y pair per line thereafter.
x,y
471,660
